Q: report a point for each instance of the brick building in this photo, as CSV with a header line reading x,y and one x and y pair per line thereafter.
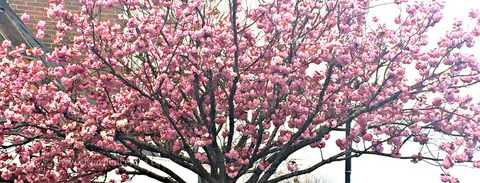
x,y
36,9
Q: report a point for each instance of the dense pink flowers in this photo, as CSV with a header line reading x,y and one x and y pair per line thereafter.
x,y
222,98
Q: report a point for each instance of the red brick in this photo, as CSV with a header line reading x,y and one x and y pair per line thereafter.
x,y
37,12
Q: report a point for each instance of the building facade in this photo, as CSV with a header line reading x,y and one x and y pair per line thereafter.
x,y
36,9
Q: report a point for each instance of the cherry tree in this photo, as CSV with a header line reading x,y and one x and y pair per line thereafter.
x,y
224,89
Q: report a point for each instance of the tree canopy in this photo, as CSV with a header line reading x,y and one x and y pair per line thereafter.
x,y
224,89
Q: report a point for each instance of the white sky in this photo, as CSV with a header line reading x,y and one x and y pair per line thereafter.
x,y
375,169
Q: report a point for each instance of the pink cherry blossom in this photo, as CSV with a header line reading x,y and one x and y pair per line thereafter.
x,y
41,25
458,141
233,154
448,162
367,137
416,158
462,157
292,166
6,43
473,13
40,34
448,178
457,23
6,175
476,164
25,17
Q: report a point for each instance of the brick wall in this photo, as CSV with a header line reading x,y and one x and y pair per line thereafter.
x,y
36,10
